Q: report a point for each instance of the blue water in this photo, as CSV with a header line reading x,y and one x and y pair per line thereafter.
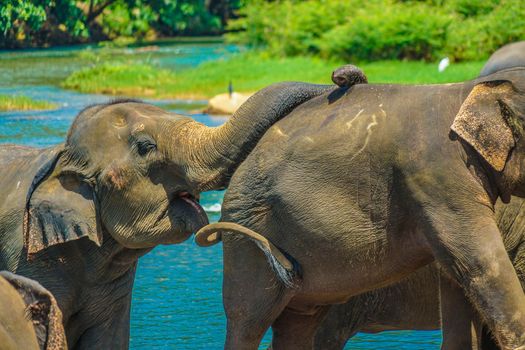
x,y
177,300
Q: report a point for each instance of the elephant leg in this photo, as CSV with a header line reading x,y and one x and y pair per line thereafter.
x,y
468,246
249,318
487,341
113,331
456,316
292,330
253,296
342,322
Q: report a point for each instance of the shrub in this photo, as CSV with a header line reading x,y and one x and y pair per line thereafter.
x,y
380,29
395,31
288,27
472,8
475,38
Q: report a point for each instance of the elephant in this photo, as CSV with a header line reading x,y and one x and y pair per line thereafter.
x,y
350,194
77,216
508,56
413,303
30,317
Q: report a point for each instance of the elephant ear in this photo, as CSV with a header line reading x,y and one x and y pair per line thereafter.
x,y
42,311
60,207
487,120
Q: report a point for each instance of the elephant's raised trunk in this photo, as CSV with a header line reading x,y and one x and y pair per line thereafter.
x,y
219,151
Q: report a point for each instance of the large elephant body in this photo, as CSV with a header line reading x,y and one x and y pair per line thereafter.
x,y
413,303
76,217
349,195
378,307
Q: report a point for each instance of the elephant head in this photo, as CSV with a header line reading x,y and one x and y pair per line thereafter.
x,y
492,121
135,171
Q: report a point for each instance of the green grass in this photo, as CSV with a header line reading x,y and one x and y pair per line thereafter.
x,y
22,103
248,72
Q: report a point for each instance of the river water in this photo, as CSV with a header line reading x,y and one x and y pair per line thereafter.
x,y
177,294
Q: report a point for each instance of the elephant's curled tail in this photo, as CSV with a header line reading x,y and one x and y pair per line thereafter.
x,y
285,267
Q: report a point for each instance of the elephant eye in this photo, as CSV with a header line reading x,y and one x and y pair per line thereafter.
x,y
145,146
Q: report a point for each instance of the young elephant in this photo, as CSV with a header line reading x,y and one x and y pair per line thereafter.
x,y
77,216
370,188
29,318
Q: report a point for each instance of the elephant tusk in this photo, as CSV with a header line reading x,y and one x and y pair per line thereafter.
x,y
209,235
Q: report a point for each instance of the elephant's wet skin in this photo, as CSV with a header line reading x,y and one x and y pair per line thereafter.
x,y
396,194
76,217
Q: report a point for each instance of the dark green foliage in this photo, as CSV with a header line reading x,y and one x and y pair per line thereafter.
x,y
288,27
472,8
478,36
388,32
44,22
24,21
380,29
177,16
21,13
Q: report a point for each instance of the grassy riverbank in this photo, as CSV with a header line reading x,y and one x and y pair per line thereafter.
x,y
22,103
248,72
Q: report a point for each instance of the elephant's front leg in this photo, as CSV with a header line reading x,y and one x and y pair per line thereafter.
x,y
467,244
110,331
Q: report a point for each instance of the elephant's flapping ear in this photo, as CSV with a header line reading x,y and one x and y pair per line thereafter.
x,y
42,310
488,121
60,207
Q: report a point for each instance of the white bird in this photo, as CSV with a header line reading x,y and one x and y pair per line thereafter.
x,y
443,64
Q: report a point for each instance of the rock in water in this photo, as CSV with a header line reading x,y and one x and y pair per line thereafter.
x,y
224,105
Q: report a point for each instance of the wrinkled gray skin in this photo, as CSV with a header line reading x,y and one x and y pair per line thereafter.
x,y
457,335
30,318
423,167
413,303
77,216
508,56
408,303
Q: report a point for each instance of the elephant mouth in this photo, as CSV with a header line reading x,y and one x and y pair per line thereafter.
x,y
195,214
192,201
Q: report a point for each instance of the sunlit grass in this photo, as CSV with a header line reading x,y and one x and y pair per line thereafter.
x,y
409,72
22,103
248,72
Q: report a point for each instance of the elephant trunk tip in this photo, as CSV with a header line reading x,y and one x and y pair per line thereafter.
x,y
348,75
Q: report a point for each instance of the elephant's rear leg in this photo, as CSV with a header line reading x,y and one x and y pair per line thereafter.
x,y
294,330
253,295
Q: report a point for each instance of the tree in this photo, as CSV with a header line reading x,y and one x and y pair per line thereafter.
x,y
45,22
